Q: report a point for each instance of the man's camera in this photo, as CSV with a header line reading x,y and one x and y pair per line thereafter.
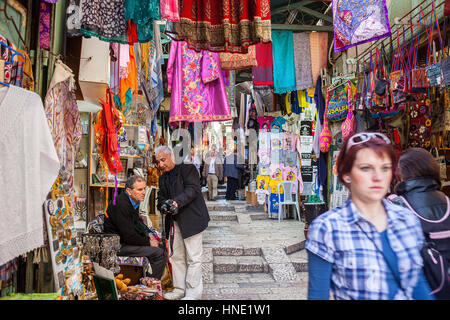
x,y
168,207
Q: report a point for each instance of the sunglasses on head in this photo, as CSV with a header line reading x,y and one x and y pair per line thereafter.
x,y
364,137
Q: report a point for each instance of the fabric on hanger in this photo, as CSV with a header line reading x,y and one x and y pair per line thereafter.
x,y
319,53
198,91
104,19
142,14
44,24
262,73
359,21
29,175
230,25
283,61
169,10
74,14
237,61
302,60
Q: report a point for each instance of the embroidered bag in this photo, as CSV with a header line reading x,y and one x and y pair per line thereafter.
x,y
338,105
434,73
325,135
348,126
419,79
420,122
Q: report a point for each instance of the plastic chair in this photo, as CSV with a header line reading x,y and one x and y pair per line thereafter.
x,y
289,198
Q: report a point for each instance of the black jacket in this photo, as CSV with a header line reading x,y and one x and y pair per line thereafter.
x,y
124,220
182,185
425,197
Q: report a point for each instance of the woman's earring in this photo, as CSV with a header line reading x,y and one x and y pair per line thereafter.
x,y
348,179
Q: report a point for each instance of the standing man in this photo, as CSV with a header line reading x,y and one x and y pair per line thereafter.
x,y
179,187
213,171
136,239
232,171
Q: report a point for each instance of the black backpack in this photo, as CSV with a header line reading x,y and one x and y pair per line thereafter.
x,y
435,267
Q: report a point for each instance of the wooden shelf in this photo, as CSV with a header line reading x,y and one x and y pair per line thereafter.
x,y
122,155
107,186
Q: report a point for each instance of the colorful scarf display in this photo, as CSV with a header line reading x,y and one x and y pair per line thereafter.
x,y
318,43
359,21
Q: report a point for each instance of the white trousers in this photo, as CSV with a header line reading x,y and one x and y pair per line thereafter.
x,y
187,264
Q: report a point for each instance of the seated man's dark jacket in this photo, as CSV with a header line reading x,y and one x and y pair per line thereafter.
x,y
182,185
124,220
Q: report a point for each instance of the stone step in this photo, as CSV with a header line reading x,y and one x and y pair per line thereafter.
x,y
299,260
219,207
222,216
240,264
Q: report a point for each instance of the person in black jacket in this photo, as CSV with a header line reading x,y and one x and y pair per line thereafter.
x,y
420,185
136,239
180,184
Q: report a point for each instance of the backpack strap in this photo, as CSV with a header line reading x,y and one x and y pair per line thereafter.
x,y
393,197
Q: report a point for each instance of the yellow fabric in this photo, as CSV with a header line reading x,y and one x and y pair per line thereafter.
x,y
145,50
28,79
302,99
288,103
273,185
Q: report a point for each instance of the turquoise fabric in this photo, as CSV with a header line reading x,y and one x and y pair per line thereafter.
x,y
283,61
143,13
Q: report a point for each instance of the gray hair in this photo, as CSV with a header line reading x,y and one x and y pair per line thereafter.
x,y
132,179
164,149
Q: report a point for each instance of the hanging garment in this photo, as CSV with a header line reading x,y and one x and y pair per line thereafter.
x,y
169,10
63,118
319,51
196,83
104,19
302,56
28,167
359,21
27,77
45,12
262,74
283,61
222,25
74,14
142,13
238,61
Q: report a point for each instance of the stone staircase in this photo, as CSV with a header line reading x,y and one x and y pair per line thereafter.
x,y
241,242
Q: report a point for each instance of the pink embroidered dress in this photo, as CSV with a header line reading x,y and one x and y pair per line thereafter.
x,y
196,82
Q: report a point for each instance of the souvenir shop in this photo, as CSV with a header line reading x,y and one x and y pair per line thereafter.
x,y
86,103
96,99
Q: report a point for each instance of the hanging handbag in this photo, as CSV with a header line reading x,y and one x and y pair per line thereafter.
x,y
420,122
348,126
419,79
338,104
325,135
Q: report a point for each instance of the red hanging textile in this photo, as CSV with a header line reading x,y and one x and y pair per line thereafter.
x,y
109,124
222,25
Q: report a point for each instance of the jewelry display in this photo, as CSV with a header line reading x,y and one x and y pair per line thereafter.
x,y
102,249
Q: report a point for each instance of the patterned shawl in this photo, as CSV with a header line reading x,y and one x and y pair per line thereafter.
x,y
359,21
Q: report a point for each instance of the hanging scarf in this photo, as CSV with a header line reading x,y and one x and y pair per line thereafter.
x,y
283,61
359,21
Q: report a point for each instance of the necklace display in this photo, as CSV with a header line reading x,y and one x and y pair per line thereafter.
x,y
102,249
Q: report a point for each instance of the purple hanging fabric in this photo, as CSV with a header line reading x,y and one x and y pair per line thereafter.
x,y
44,25
359,21
51,1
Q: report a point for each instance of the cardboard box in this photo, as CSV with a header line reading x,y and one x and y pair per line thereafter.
x,y
251,198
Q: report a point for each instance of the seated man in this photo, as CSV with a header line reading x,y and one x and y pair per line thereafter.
x,y
136,238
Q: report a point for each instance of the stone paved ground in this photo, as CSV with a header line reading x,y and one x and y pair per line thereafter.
x,y
250,257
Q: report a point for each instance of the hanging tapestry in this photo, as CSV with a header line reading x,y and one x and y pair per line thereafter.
x,y
196,82
44,25
222,25
283,61
303,72
359,21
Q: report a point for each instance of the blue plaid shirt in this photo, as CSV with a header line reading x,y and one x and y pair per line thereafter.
x,y
359,269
